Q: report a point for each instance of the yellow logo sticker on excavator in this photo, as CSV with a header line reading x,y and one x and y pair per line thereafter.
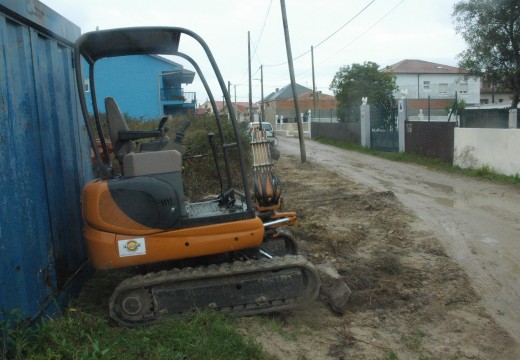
x,y
132,247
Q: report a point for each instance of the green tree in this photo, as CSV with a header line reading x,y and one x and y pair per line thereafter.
x,y
353,82
491,30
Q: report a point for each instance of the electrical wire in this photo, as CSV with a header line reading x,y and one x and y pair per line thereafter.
x,y
262,31
328,37
323,41
348,22
255,47
356,38
366,31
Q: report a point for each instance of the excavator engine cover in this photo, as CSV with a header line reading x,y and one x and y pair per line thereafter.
x,y
152,201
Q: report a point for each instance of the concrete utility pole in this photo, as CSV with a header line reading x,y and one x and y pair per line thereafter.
x,y
293,82
250,85
262,92
313,86
229,92
236,109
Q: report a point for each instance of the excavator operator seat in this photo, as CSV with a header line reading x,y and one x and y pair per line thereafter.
x,y
151,163
116,123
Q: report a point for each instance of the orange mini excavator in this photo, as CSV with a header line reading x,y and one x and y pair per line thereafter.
x,y
241,262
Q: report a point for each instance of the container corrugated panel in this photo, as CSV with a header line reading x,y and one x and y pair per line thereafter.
x,y
44,162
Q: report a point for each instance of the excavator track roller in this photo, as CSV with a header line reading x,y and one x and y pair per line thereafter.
x,y
241,288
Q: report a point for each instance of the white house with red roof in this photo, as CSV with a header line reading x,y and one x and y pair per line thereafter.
x,y
421,80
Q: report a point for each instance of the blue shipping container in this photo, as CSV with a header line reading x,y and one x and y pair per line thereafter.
x,y
44,161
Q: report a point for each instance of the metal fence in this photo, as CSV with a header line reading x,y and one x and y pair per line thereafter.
x,y
431,115
484,118
337,131
177,94
325,116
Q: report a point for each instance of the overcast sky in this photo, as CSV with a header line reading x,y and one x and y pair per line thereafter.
x,y
342,32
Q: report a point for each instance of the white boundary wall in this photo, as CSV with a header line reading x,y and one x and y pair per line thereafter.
x,y
498,148
291,129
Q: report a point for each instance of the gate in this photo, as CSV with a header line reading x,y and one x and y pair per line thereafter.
x,y
384,134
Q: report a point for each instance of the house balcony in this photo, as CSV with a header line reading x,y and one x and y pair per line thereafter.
x,y
177,96
176,101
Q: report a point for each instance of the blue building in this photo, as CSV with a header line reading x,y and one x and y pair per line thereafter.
x,y
144,86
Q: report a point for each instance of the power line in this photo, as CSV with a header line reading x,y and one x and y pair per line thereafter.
x,y
348,22
328,37
366,31
255,47
247,80
262,31
356,38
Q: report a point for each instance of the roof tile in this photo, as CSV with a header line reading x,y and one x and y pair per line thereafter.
x,y
421,67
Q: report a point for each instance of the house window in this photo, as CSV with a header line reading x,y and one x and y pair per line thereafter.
x,y
443,89
86,85
426,85
463,88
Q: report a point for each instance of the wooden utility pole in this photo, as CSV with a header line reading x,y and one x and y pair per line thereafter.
x,y
250,85
293,82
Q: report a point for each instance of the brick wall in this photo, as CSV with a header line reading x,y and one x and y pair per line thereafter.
x,y
285,107
435,104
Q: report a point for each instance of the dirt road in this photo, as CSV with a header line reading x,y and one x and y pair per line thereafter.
x,y
478,222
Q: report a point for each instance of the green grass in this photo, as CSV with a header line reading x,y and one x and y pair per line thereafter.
x,y
78,335
483,172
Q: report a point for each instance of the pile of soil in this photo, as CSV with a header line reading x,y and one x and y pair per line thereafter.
x,y
409,299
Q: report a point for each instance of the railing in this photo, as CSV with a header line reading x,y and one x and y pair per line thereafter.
x,y
484,118
177,94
